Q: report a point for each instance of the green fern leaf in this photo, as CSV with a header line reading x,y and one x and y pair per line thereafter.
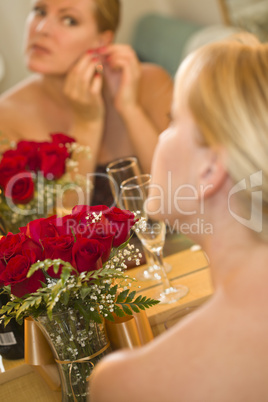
x,y
118,311
126,309
122,296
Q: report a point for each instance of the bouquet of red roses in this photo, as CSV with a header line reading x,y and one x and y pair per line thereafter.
x,y
29,176
54,264
68,274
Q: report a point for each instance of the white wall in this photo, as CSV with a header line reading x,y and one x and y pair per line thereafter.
x,y
13,14
12,18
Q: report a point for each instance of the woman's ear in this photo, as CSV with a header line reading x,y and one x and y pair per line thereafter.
x,y
106,38
212,173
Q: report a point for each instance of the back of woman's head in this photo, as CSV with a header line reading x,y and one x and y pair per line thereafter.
x,y
225,86
107,14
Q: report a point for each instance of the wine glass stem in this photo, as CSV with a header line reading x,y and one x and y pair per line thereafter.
x,y
149,257
159,258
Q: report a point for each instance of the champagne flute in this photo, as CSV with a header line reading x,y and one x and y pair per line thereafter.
x,y
118,171
151,232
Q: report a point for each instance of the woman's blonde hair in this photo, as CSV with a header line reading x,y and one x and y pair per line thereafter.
x,y
225,86
107,14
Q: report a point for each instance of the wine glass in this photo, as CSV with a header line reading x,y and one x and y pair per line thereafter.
x,y
151,232
118,171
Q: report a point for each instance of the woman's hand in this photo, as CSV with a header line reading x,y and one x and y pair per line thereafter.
x,y
83,87
121,59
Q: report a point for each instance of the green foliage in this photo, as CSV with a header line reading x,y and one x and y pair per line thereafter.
x,y
129,303
95,294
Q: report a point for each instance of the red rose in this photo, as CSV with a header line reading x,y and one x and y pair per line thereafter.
x,y
82,212
17,254
12,153
121,222
10,166
20,188
30,150
16,272
58,247
50,227
53,158
30,245
41,228
89,222
87,209
14,244
60,138
85,215
87,219
101,232
87,254
9,244
66,225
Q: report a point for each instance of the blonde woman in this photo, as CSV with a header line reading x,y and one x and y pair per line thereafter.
x,y
86,86
215,152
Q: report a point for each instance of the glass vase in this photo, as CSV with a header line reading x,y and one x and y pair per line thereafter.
x,y
77,346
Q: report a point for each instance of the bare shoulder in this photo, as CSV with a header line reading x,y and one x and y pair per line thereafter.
x,y
155,95
213,351
21,91
154,372
156,76
17,108
150,68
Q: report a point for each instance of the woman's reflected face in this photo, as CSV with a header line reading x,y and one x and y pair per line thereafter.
x,y
58,33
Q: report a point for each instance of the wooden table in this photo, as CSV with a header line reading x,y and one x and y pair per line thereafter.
x,y
190,268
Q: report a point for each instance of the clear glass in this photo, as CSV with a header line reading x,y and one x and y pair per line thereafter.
x,y
118,171
134,192
77,347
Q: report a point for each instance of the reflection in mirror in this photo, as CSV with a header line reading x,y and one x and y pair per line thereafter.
x,y
13,14
250,15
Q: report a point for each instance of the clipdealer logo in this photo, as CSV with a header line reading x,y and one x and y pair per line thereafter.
x,y
255,220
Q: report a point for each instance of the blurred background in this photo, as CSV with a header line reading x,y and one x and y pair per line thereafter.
x,y
172,30
13,14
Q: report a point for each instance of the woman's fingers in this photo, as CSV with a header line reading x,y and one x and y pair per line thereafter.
x,y
83,88
97,83
116,53
123,58
80,78
117,49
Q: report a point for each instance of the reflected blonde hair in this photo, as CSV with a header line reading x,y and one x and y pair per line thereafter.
x,y
225,86
107,14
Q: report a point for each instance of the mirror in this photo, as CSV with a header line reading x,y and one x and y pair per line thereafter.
x,y
250,15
